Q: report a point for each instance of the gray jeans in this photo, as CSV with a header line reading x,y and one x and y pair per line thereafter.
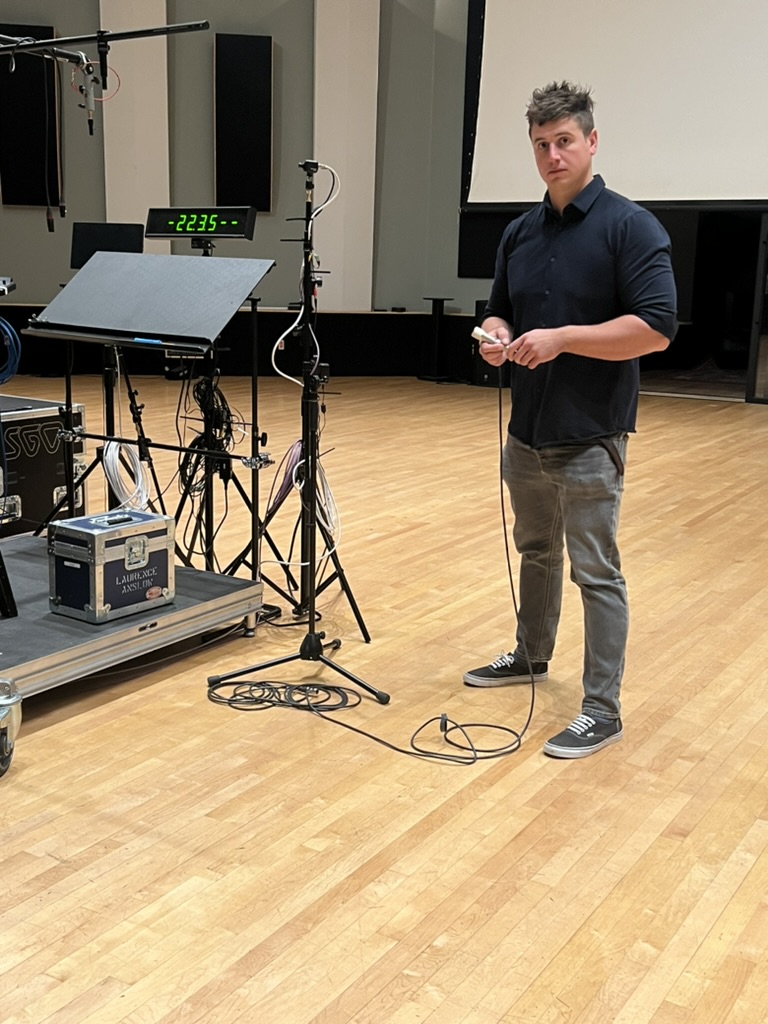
x,y
572,494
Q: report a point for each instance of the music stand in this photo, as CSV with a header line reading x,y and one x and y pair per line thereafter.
x,y
175,305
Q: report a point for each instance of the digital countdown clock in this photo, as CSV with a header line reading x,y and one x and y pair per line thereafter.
x,y
201,222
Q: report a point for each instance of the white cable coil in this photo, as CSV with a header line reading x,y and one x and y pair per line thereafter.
x,y
136,495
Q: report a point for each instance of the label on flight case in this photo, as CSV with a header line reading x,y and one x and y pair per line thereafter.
x,y
129,586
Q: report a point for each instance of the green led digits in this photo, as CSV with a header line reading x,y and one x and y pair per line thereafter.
x,y
197,223
225,221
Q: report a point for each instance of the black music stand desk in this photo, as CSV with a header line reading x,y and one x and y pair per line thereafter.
x,y
171,303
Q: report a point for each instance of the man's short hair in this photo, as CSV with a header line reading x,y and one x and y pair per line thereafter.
x,y
559,100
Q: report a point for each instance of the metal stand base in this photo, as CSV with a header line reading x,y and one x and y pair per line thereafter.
x,y
312,649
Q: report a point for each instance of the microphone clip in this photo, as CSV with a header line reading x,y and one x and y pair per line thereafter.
x,y
87,92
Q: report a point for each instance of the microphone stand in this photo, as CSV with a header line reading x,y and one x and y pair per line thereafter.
x,y
313,373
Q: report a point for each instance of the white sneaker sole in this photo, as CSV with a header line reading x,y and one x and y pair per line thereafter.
x,y
572,752
470,680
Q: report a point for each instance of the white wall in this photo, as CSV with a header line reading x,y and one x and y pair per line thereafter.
x,y
345,95
135,121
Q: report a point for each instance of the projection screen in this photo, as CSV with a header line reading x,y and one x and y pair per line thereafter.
x,y
680,89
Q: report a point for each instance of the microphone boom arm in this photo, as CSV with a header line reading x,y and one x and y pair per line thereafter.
x,y
11,45
53,48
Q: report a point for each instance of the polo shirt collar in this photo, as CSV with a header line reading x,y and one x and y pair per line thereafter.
x,y
581,203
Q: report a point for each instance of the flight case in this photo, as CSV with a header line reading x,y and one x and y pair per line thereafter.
x,y
106,566
32,478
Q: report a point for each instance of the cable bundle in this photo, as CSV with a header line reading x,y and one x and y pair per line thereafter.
x,y
135,496
218,435
216,412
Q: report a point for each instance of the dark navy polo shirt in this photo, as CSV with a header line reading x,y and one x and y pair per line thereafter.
x,y
605,257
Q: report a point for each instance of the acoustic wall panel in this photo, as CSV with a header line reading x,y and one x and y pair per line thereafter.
x,y
29,166
243,120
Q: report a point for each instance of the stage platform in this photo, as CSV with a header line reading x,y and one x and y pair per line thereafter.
x,y
40,650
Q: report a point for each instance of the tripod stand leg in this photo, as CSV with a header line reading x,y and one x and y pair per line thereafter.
x,y
279,590
311,650
340,575
215,680
261,532
381,697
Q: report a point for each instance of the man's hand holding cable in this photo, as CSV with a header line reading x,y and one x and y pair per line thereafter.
x,y
498,353
530,349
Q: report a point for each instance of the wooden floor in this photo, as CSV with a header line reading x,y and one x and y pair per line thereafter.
x,y
166,859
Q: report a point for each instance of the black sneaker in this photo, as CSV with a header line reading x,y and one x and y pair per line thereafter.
x,y
584,736
505,670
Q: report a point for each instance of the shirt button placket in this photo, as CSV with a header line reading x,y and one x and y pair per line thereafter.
x,y
548,279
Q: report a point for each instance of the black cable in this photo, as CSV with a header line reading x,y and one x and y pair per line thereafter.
x,y
505,530
323,701
294,622
216,411
216,436
47,151
60,140
195,469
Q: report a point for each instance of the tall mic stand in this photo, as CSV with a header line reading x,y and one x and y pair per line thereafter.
x,y
312,647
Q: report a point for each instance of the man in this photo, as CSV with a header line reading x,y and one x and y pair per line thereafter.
x,y
583,287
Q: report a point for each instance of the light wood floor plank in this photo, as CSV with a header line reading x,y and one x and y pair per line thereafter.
x,y
170,861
